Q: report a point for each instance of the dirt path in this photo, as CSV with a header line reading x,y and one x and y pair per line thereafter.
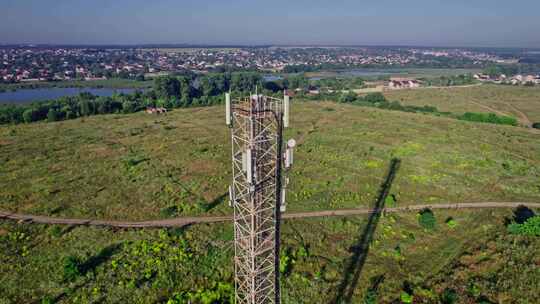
x,y
453,87
524,119
183,221
489,108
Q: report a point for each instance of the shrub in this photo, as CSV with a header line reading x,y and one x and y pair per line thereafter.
x,y
449,296
56,231
370,297
488,118
374,98
406,297
47,300
530,227
536,125
71,268
286,262
220,293
427,219
52,115
451,223
348,97
390,201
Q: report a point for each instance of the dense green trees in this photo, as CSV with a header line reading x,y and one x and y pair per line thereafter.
x,y
52,115
296,82
167,87
70,108
348,97
497,70
379,101
168,92
11,114
447,81
338,84
204,90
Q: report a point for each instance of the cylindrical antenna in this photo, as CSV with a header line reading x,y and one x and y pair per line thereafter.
x,y
228,108
249,171
286,101
244,161
283,206
231,196
291,143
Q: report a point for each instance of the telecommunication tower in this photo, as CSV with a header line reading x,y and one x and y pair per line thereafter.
x,y
257,193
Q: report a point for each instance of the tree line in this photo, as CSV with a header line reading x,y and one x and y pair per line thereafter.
x,y
453,80
168,92
378,100
190,90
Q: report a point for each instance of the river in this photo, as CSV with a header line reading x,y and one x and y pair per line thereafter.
x,y
24,96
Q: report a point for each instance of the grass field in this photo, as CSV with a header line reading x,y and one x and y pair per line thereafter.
x,y
140,166
476,258
517,101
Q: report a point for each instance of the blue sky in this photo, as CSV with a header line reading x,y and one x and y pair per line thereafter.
x,y
359,22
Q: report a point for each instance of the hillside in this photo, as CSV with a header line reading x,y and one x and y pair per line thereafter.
x,y
141,166
518,101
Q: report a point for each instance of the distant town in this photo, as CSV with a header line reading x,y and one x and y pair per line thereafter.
x,y
41,64
517,79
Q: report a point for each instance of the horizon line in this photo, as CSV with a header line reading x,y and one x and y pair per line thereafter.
x,y
254,45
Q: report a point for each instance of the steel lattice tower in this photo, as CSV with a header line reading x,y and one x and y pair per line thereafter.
x,y
257,194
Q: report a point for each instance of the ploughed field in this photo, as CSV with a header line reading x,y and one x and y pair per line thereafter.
x,y
142,166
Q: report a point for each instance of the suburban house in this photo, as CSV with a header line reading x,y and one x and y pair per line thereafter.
x,y
403,83
151,110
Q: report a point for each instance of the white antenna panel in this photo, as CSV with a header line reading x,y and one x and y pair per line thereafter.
x,y
286,105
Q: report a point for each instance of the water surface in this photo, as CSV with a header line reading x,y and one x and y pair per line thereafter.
x,y
24,96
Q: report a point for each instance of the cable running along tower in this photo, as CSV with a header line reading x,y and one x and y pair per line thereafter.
x,y
257,193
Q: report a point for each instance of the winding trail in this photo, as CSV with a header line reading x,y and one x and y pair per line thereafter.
x,y
522,117
183,221
489,108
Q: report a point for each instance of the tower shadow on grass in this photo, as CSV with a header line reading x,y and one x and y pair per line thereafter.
x,y
522,214
218,200
103,256
360,250
89,265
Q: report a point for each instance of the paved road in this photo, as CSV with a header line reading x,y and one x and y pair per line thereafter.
x,y
182,221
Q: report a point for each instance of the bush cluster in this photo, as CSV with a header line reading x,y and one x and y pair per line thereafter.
x,y
378,100
489,118
454,80
72,267
426,219
530,227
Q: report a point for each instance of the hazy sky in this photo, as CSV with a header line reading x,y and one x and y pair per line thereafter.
x,y
358,22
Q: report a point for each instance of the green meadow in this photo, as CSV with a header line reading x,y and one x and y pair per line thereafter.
x,y
142,166
521,102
